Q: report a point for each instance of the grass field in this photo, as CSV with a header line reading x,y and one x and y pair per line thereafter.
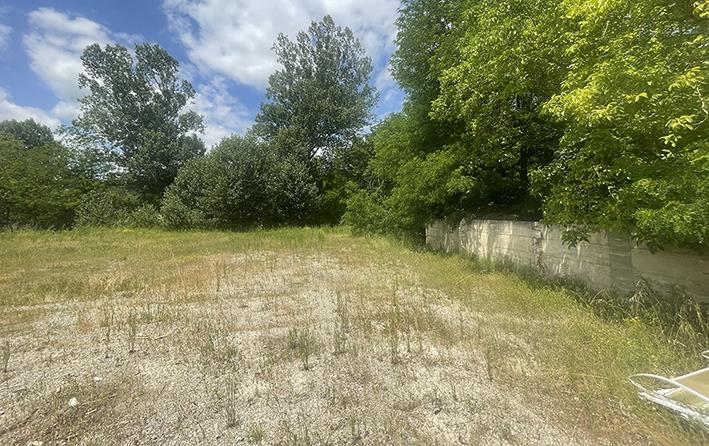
x,y
310,337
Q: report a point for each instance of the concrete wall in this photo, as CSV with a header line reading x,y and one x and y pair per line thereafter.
x,y
605,262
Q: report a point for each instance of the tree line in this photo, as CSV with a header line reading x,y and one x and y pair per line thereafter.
x,y
591,114
133,156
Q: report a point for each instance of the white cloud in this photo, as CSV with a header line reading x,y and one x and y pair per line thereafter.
x,y
5,32
225,40
54,44
10,110
234,39
66,110
223,113
385,80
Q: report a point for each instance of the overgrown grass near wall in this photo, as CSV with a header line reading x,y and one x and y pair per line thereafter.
x,y
580,345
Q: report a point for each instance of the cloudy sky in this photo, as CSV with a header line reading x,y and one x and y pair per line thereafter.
x,y
224,49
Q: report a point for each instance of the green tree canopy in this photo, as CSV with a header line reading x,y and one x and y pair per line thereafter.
x,y
137,110
509,63
635,152
241,183
321,98
32,134
38,186
426,37
592,113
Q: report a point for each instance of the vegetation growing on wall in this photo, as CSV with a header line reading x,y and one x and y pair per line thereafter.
x,y
635,153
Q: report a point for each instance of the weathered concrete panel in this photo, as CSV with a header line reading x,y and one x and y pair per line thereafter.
x,y
606,261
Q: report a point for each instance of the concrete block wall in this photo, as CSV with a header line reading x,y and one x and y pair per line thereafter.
x,y
606,262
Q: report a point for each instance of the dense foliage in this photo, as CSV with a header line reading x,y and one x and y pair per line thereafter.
x,y
135,110
321,98
39,182
136,159
30,133
635,153
241,183
592,114
318,104
115,207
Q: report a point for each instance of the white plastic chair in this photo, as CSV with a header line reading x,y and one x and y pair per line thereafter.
x,y
688,395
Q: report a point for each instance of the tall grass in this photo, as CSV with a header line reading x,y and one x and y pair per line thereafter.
x,y
581,346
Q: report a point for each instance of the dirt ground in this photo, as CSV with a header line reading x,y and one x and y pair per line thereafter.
x,y
334,343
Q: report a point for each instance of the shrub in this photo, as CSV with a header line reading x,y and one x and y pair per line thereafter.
x,y
37,185
106,207
366,214
240,184
145,216
176,213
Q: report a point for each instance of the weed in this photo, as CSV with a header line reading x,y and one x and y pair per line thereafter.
x,y
355,430
154,312
392,328
107,324
494,351
222,272
292,438
454,391
302,342
342,325
406,330
561,355
256,434
232,393
5,356
216,346
487,354
132,323
264,368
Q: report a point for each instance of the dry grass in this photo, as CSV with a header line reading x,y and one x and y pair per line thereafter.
x,y
308,337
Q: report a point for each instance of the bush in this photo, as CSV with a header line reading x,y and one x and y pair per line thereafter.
x,y
37,185
106,207
146,216
176,211
240,184
115,207
366,214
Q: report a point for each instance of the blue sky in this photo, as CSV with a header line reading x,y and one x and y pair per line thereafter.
x,y
223,47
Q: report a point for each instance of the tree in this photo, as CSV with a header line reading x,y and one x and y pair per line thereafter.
x,y
592,111
321,98
635,153
345,174
241,183
32,134
37,185
136,109
477,74
406,189
426,43
510,62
